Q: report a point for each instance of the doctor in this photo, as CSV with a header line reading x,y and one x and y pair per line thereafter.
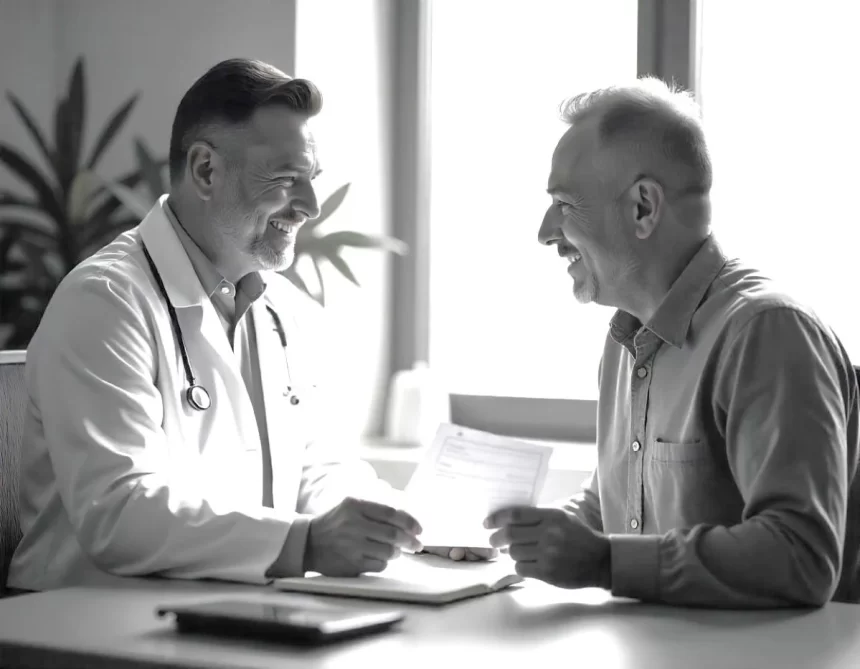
x,y
172,426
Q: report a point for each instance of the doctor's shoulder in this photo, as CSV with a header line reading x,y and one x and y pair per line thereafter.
x,y
109,284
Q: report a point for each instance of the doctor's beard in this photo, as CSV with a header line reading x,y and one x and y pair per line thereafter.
x,y
251,235
271,258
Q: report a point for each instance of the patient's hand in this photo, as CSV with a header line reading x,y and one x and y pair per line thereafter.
x,y
469,554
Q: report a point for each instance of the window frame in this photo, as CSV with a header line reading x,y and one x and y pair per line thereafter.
x,y
668,47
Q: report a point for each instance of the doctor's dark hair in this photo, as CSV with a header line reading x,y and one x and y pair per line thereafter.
x,y
228,94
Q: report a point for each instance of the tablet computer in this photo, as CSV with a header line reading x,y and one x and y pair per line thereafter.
x,y
279,622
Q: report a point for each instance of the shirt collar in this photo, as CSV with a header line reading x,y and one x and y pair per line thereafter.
x,y
671,322
210,278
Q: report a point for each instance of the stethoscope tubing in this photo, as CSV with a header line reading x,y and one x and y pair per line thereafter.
x,y
196,395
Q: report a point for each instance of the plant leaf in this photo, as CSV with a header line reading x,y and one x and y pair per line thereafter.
x,y
340,265
84,186
113,126
13,200
361,240
99,235
70,127
328,207
28,173
293,275
150,171
132,201
321,297
23,314
38,267
24,324
63,153
7,241
35,132
111,203
30,228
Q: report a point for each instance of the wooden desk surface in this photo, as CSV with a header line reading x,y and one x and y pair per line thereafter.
x,y
531,627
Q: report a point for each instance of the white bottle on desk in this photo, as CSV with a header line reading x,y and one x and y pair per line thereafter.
x,y
417,404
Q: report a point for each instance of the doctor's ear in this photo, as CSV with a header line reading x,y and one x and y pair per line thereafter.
x,y
205,167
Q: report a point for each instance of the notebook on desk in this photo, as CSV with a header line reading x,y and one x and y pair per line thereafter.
x,y
422,579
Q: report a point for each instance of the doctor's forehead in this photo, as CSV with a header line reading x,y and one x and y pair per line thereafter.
x,y
282,138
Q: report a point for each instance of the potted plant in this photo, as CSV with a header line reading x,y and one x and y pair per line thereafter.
x,y
67,215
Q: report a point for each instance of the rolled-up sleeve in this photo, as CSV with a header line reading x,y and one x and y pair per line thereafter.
x,y
780,396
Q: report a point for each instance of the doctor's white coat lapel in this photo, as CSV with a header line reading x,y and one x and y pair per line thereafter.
x,y
212,360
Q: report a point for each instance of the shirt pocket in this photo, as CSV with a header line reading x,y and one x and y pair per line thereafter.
x,y
683,485
696,452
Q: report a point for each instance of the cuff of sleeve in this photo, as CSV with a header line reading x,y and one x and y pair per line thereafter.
x,y
291,560
635,565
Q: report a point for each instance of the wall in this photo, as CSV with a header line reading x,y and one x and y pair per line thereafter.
x,y
28,69
159,48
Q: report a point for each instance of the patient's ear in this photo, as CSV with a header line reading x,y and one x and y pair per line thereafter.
x,y
644,205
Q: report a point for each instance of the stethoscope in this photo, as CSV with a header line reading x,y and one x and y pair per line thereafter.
x,y
196,395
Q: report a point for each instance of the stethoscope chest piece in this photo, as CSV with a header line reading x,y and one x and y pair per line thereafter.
x,y
198,397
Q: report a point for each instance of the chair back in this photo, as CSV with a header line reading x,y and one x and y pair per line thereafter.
x,y
13,403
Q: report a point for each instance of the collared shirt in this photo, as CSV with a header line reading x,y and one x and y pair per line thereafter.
x,y
727,447
233,303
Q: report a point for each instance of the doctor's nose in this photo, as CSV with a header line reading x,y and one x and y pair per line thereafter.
x,y
550,227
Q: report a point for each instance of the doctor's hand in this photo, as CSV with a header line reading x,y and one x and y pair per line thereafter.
x,y
553,546
457,554
358,536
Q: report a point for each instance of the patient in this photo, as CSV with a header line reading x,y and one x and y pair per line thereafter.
x,y
728,411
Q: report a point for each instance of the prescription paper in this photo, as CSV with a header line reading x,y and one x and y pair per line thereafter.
x,y
467,474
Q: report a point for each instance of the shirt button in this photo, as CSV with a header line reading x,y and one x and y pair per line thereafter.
x,y
225,290
634,524
636,446
641,372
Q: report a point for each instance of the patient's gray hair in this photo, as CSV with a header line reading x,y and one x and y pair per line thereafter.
x,y
655,124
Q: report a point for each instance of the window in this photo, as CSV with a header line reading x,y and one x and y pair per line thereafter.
x,y
503,320
782,126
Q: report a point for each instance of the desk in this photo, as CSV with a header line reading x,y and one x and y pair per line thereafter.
x,y
530,627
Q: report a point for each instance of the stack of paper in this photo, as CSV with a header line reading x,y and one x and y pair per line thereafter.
x,y
424,579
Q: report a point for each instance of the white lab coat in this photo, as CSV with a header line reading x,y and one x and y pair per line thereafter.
x,y
119,474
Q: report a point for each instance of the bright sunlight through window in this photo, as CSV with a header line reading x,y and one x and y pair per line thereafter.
x,y
504,321
778,96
